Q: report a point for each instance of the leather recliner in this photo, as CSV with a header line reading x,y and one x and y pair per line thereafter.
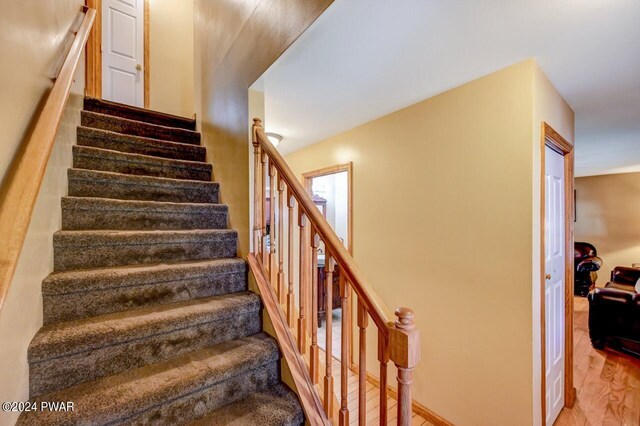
x,y
586,263
614,312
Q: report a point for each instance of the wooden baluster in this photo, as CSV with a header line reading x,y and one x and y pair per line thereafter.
x,y
344,364
383,357
290,295
302,272
281,290
272,226
328,378
347,315
315,355
404,351
263,198
257,189
363,322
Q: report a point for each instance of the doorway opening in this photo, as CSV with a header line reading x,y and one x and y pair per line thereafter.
x,y
331,191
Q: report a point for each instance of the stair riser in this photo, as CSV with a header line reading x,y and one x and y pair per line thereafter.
x,y
88,219
200,403
137,114
130,188
138,145
137,128
57,373
72,306
113,163
68,255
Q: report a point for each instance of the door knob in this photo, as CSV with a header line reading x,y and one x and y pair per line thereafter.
x,y
138,67
547,277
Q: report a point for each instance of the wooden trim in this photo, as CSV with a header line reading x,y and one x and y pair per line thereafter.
x,y
93,60
306,391
307,179
555,141
416,407
147,61
22,183
569,389
93,57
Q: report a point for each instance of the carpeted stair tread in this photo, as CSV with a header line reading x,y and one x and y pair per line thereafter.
x,y
85,157
65,354
171,392
138,128
276,406
85,213
82,280
106,139
95,249
94,183
138,114
78,294
147,315
66,338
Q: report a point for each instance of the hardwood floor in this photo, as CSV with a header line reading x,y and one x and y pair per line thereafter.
x,y
336,334
607,382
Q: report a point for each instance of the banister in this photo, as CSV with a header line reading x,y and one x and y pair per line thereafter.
x,y
378,311
398,341
23,180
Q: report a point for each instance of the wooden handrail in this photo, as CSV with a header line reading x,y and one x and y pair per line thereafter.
x,y
374,305
24,178
398,341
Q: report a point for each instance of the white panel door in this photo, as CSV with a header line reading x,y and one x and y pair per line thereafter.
x,y
554,224
122,51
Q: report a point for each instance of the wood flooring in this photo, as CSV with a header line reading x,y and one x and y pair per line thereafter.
x,y
607,382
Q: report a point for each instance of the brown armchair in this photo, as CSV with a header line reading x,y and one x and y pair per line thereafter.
x,y
586,263
614,312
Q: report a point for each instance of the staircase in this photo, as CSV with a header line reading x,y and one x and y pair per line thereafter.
x,y
147,317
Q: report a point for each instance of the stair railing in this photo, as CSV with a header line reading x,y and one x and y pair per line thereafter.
x,y
23,179
296,292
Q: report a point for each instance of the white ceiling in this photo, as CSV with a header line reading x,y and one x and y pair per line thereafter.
x,y
363,59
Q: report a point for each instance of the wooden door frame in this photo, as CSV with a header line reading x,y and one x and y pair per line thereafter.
x,y
552,139
307,179
93,54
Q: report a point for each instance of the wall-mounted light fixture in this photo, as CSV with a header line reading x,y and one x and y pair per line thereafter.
x,y
274,138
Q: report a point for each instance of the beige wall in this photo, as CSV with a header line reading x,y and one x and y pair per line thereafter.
x,y
35,38
550,107
443,223
608,208
21,314
235,43
171,56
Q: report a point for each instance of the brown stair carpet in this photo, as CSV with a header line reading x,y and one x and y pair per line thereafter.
x,y
141,145
147,315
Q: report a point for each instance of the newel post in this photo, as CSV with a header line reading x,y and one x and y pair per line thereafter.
x,y
257,187
404,352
